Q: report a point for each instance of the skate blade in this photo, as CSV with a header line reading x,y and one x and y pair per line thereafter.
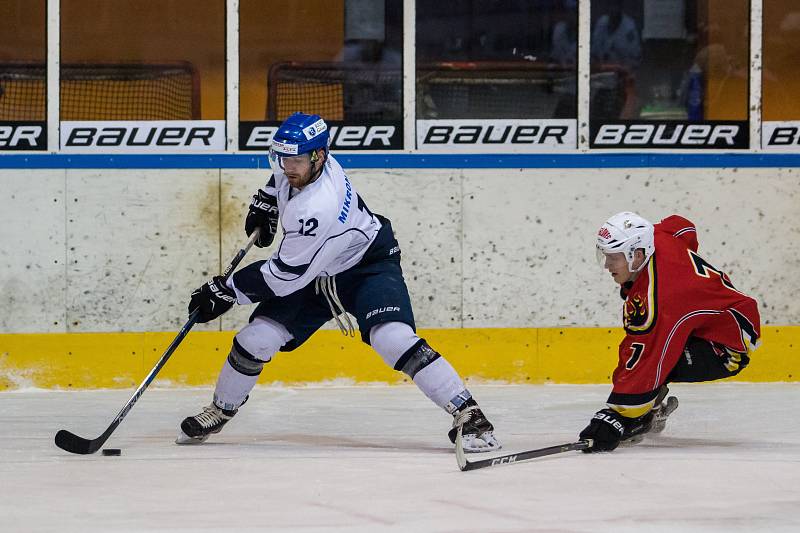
x,y
661,419
631,441
183,438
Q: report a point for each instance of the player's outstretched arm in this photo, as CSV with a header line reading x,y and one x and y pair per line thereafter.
x,y
608,428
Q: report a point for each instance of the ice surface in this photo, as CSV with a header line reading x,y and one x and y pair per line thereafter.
x,y
367,459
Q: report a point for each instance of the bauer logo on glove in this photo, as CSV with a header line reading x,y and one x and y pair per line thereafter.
x,y
211,300
262,215
608,419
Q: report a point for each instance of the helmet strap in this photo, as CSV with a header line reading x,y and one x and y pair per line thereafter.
x,y
633,258
318,172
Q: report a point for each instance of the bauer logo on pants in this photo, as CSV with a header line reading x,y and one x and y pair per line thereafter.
x,y
380,310
148,136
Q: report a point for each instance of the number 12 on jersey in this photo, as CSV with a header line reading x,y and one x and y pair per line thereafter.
x,y
307,227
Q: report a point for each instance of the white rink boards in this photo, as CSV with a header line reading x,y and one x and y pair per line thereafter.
x,y
368,459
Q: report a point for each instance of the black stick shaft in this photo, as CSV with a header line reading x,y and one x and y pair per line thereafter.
x,y
73,443
511,458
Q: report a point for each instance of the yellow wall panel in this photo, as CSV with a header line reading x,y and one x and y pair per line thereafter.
x,y
514,355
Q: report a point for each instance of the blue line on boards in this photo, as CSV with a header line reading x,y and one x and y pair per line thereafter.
x,y
404,160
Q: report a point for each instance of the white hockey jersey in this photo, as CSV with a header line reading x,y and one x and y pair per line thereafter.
x,y
327,228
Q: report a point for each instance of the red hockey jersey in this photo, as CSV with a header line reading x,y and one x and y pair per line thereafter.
x,y
677,295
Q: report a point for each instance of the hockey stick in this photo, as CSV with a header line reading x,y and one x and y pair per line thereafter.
x,y
74,444
465,465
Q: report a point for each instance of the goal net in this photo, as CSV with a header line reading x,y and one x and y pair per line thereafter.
x,y
99,91
448,90
363,92
351,92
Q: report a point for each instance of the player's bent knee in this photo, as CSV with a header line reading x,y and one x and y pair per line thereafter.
x,y
255,345
416,358
391,340
263,337
243,361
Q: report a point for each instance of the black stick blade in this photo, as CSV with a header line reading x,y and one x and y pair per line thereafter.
x,y
74,444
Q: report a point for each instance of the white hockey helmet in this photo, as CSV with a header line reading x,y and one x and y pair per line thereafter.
x,y
625,233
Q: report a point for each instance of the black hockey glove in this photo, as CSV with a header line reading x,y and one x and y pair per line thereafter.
x,y
213,299
263,214
607,428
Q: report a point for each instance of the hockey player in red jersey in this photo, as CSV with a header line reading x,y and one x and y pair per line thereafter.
x,y
684,322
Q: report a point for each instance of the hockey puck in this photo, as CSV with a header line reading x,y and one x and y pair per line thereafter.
x,y
112,451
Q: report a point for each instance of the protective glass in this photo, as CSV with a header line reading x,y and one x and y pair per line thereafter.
x,y
142,59
600,256
496,60
683,60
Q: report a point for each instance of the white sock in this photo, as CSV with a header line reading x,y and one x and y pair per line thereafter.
x,y
261,339
232,387
438,381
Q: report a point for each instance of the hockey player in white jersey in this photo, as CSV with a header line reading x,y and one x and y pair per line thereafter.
x,y
336,257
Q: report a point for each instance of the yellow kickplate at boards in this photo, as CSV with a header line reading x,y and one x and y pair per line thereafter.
x,y
513,355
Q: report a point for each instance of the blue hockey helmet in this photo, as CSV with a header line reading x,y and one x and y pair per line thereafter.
x,y
300,134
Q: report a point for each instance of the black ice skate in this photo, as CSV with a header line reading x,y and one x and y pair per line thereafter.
x,y
656,419
196,429
478,433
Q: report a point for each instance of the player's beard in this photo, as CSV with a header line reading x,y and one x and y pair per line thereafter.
x,y
298,180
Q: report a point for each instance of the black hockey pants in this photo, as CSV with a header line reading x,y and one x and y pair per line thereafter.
x,y
703,360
